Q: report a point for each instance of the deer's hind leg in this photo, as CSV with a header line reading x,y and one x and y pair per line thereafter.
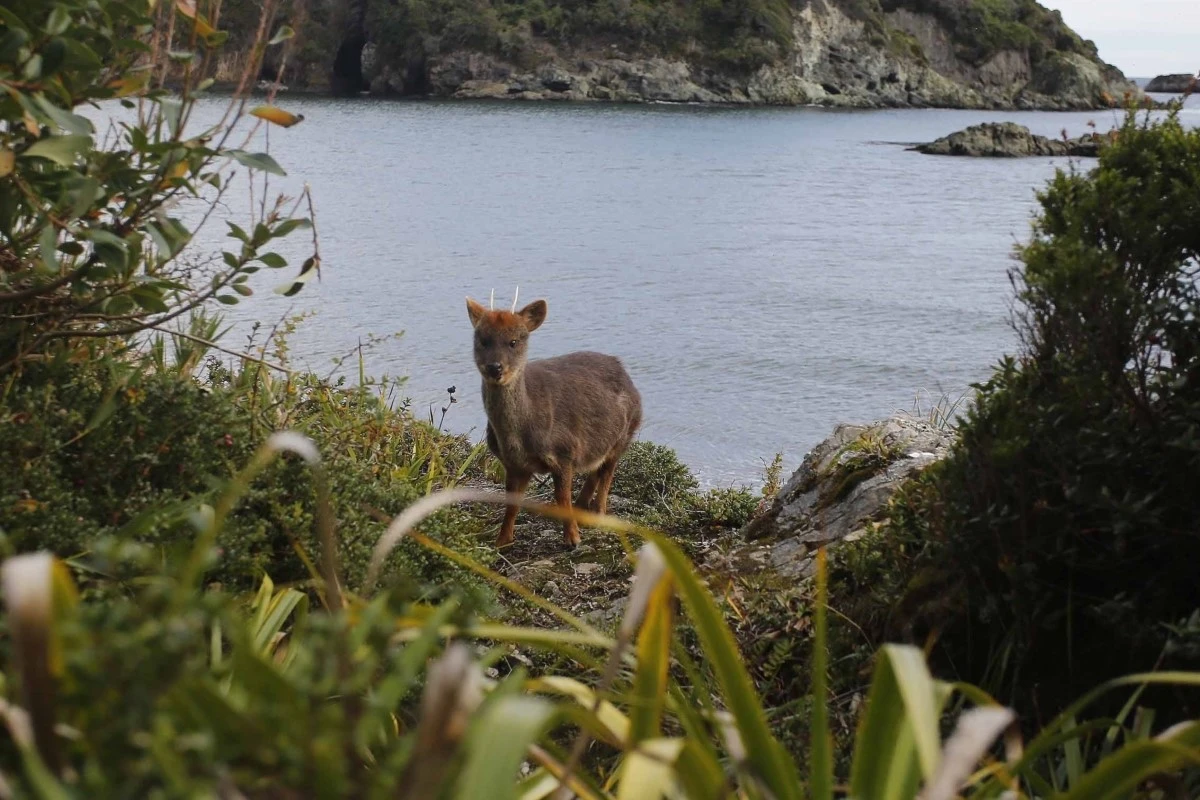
x,y
562,497
604,480
587,494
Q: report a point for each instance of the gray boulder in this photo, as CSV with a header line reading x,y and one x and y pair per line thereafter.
x,y
1009,140
842,486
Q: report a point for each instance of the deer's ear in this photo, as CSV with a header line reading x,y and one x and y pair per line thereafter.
x,y
475,312
534,314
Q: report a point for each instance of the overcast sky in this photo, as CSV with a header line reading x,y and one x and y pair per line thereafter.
x,y
1143,37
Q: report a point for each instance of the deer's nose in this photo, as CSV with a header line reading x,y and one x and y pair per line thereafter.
x,y
494,370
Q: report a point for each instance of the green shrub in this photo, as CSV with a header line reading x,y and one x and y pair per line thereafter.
x,y
1055,547
117,448
92,242
650,474
263,697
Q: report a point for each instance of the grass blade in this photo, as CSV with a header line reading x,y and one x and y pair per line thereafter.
x,y
653,659
897,741
1048,737
821,758
610,721
772,765
499,742
976,731
649,771
1120,774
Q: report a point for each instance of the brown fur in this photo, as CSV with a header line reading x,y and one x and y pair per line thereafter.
x,y
571,415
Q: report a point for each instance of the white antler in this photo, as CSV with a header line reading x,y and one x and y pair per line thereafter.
x,y
492,301
516,294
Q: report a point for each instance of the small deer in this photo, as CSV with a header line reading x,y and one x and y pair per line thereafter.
x,y
568,415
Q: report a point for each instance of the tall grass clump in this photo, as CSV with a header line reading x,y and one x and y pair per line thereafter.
x,y
360,693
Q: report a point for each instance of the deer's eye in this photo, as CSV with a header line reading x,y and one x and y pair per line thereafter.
x,y
512,343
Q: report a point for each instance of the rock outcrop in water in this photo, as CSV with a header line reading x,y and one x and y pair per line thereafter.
x,y
1171,84
1009,140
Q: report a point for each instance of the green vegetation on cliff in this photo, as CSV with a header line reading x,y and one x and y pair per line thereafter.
x,y
737,33
731,35
741,34
981,28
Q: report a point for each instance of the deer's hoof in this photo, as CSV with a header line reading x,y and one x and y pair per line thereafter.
x,y
571,540
504,541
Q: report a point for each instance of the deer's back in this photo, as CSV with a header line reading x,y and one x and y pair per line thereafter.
x,y
587,405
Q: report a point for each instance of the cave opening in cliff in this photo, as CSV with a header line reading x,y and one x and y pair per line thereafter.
x,y
347,79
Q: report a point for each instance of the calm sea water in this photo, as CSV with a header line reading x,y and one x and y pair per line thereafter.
x,y
764,273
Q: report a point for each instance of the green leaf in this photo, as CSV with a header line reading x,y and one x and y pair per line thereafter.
x,y
273,614
61,150
109,248
64,119
227,299
897,742
33,68
58,21
82,193
237,233
289,225
148,298
499,741
311,267
54,53
259,161
242,289
216,39
48,243
161,246
172,111
282,35
11,20
11,43
273,260
81,57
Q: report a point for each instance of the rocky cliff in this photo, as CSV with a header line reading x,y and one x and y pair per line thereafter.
x,y
1001,54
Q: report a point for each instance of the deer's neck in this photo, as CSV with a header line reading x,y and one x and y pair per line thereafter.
x,y
507,407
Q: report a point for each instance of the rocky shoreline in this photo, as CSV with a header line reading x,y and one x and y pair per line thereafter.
x,y
842,487
860,79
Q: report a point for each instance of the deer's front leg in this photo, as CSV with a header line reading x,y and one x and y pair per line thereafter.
x,y
514,483
562,497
